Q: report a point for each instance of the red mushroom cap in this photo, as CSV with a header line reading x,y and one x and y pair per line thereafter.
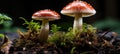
x,y
46,14
78,7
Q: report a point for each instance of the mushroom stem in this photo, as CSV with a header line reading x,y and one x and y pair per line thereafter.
x,y
77,26
44,30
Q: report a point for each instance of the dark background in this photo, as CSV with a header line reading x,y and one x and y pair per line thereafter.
x,y
25,8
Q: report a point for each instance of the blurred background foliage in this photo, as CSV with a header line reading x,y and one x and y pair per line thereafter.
x,y
108,24
4,18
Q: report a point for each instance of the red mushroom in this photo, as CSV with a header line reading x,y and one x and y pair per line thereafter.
x,y
45,16
78,9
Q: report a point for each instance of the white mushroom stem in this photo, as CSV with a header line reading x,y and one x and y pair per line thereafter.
x,y
77,26
44,30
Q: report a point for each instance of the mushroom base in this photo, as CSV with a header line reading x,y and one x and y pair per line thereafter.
x,y
44,30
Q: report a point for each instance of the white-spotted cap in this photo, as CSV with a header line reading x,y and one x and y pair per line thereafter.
x,y
79,7
46,14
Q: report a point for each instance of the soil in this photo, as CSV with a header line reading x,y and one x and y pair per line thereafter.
x,y
83,44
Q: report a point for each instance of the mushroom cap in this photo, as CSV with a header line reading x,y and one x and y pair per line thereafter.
x,y
45,14
78,7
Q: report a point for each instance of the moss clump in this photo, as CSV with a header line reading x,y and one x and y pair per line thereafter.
x,y
69,42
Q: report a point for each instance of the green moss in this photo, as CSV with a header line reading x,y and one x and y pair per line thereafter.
x,y
64,38
54,28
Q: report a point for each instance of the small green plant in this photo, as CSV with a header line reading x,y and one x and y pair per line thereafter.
x,y
54,28
56,34
30,37
33,26
88,28
4,18
60,37
70,34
